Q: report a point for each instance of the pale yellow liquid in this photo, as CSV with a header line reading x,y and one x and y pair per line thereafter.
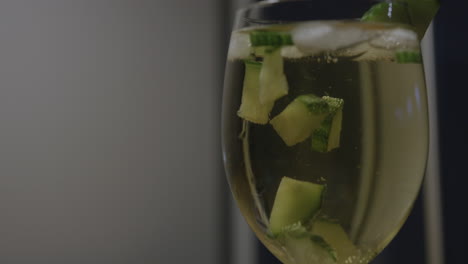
x,y
374,176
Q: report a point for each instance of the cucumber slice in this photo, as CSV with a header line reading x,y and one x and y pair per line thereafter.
x,y
270,38
291,52
300,118
273,83
317,105
337,238
304,248
309,250
327,136
295,201
261,51
251,108
418,13
388,13
422,12
296,230
239,46
408,57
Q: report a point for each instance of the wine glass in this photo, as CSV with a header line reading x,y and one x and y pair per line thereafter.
x,y
325,125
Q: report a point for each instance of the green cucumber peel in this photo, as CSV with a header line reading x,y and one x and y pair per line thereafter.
x,y
270,38
327,136
314,103
253,63
408,57
321,135
322,243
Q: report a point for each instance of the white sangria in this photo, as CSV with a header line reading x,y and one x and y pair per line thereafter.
x,y
325,135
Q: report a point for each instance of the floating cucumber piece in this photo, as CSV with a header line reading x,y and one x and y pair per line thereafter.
x,y
270,38
273,83
295,201
388,13
317,105
336,237
418,13
239,46
305,248
296,230
327,136
309,250
422,12
408,57
300,118
291,52
261,51
251,108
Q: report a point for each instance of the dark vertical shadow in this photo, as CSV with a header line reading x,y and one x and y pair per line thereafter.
x,y
452,64
408,245
224,205
265,257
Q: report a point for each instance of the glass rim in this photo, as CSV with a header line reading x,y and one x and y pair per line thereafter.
x,y
291,11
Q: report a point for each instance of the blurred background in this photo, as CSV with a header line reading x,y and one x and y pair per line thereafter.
x,y
110,140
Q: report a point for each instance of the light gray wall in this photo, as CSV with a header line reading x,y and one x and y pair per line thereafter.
x,y
109,149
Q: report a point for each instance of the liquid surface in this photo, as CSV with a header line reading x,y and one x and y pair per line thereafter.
x,y
371,179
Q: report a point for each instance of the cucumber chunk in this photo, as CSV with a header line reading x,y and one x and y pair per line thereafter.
x,y
422,12
251,108
327,136
239,46
309,250
305,248
418,13
317,105
261,51
273,83
295,201
291,52
270,38
337,238
300,118
387,13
